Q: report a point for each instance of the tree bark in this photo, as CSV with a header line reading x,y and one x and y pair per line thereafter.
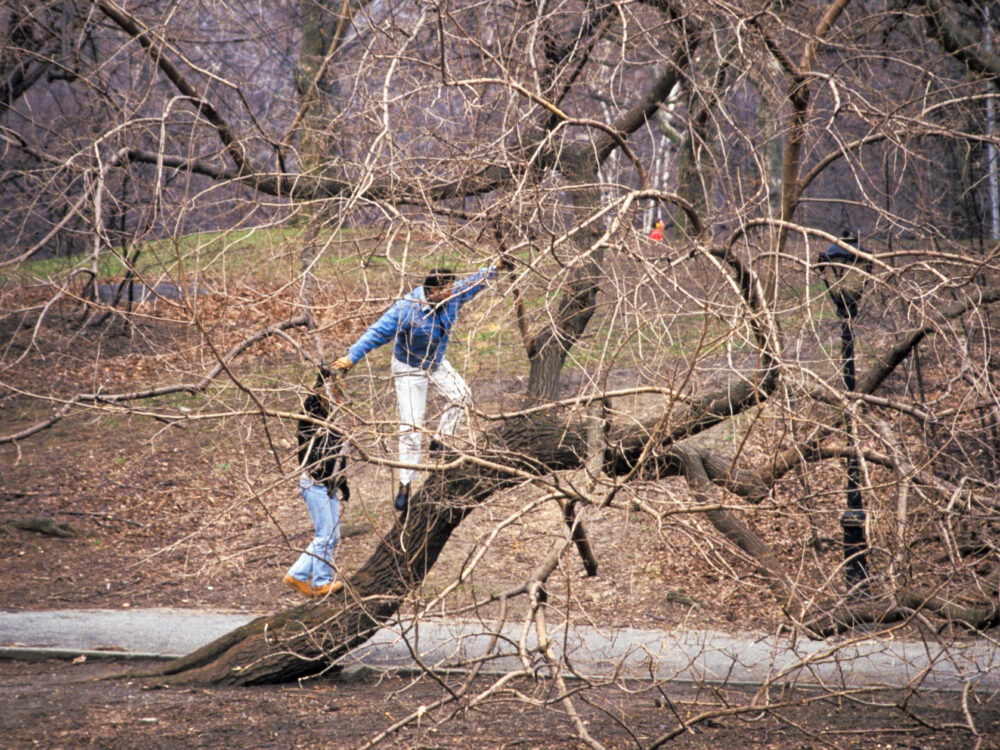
x,y
305,640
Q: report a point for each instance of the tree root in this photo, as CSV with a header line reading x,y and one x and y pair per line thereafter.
x,y
834,619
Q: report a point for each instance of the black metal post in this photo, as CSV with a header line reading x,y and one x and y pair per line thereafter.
x,y
853,519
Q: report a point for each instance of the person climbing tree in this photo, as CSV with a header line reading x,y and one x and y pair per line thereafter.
x,y
420,324
323,487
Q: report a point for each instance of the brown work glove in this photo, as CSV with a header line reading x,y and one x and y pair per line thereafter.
x,y
342,365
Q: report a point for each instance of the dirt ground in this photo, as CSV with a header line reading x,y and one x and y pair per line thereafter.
x,y
59,705
202,513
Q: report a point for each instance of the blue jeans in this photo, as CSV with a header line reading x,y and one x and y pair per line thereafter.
x,y
314,563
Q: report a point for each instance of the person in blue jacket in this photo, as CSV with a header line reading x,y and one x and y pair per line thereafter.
x,y
419,326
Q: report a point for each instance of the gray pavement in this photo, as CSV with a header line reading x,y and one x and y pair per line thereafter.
x,y
682,655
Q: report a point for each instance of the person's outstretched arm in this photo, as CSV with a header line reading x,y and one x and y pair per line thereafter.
x,y
465,289
380,332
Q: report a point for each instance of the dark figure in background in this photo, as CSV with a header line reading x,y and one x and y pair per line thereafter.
x,y
844,273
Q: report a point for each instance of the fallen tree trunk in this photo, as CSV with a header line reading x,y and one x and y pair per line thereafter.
x,y
833,619
305,640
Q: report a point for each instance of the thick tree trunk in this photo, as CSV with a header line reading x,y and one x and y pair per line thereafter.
x,y
579,165
325,24
305,640
549,348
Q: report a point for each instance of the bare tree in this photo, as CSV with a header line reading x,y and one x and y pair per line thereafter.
x,y
696,382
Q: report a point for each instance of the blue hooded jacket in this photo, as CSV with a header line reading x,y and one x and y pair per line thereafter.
x,y
419,329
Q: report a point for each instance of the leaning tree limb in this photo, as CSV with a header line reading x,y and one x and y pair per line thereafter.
x,y
828,621
305,640
869,381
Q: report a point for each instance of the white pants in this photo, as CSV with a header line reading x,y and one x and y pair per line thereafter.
x,y
411,397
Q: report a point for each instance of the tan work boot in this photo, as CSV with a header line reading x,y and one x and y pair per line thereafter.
x,y
328,588
301,586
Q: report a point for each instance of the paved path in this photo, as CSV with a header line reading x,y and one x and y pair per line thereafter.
x,y
689,655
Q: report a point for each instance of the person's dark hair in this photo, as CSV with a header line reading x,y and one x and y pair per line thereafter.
x,y
438,278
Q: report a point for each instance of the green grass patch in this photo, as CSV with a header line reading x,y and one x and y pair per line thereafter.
x,y
368,262
251,251
262,254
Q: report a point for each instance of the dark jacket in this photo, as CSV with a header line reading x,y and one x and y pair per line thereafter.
x,y
322,450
